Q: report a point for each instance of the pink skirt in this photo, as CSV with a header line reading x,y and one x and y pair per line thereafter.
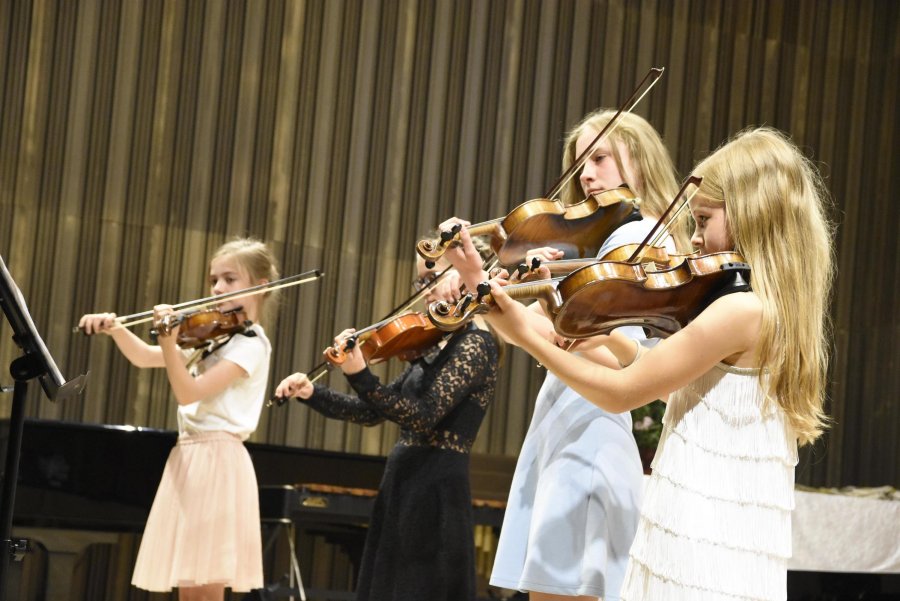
x,y
204,525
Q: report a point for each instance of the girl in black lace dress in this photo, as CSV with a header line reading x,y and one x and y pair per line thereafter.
x,y
419,546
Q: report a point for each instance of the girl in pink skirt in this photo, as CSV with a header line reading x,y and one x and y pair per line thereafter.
x,y
203,533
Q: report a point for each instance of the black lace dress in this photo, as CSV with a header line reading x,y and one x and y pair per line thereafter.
x,y
419,546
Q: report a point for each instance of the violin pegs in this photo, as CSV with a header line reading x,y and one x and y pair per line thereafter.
x,y
447,236
521,270
483,290
463,305
535,263
429,264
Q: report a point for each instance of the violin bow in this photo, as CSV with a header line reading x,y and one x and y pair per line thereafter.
x,y
126,321
653,76
692,180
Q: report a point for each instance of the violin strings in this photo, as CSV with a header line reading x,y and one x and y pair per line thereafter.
x,y
664,231
690,180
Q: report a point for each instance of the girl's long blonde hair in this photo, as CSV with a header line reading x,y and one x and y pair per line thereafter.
x,y
776,215
655,181
258,261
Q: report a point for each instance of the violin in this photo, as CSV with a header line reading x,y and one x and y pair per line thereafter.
x,y
649,251
198,328
578,230
609,294
407,337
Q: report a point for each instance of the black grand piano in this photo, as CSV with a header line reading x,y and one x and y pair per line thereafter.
x,y
101,478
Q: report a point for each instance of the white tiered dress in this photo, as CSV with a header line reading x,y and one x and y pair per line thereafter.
x,y
716,520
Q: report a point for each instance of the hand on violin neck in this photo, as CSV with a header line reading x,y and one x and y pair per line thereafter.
x,y
544,253
448,289
531,271
508,317
165,323
355,361
464,257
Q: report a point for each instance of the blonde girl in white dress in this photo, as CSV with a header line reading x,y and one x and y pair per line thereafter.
x,y
745,382
203,532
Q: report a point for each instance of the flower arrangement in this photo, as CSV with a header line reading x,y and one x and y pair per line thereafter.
x,y
647,428
647,424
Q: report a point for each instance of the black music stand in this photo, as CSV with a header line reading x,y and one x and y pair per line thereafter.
x,y
36,362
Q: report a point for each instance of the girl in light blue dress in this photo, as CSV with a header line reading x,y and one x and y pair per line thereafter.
x,y
573,505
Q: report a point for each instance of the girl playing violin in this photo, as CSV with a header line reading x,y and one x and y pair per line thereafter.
x,y
419,545
573,505
203,533
744,382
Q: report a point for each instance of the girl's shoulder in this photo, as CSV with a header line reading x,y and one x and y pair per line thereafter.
x,y
744,308
736,319
746,304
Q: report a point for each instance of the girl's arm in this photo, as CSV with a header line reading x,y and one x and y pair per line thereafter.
x,y
138,352
328,402
187,388
727,328
471,360
341,406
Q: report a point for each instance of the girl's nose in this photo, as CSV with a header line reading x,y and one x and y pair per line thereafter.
x,y
587,176
696,239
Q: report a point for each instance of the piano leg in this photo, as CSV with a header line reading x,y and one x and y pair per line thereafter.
x,y
277,589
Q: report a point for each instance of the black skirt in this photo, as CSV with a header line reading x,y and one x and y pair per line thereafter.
x,y
420,545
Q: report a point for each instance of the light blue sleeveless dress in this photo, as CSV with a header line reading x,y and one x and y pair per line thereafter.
x,y
574,501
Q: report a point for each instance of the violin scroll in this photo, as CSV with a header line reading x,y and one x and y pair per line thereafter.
x,y
433,250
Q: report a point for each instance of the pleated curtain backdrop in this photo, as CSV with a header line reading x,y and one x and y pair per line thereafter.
x,y
138,135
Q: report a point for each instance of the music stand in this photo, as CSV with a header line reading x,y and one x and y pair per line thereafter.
x,y
36,362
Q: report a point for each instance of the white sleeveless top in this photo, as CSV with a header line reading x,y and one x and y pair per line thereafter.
x,y
716,518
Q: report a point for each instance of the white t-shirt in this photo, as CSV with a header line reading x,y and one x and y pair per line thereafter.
x,y
237,408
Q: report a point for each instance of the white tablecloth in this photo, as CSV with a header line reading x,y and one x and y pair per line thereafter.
x,y
845,533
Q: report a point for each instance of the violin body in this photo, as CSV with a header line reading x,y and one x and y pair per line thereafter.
x,y
197,329
406,337
609,294
578,230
